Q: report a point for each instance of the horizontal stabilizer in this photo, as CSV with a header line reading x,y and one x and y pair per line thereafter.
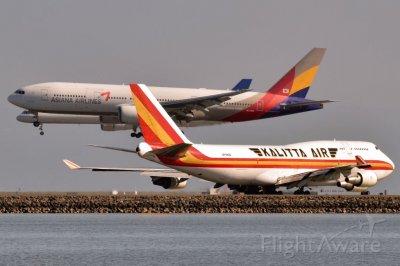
x,y
287,106
175,151
113,148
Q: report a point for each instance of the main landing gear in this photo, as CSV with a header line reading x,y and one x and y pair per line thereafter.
x,y
255,190
40,126
301,191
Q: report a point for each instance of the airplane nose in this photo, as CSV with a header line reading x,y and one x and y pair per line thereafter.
x,y
392,163
389,161
11,99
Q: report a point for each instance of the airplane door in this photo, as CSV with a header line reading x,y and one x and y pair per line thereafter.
x,y
347,150
45,95
260,106
96,100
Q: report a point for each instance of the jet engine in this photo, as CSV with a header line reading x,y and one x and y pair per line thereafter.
x,y
169,182
362,178
127,114
358,180
115,127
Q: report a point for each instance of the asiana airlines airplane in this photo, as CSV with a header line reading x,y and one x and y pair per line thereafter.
x,y
112,107
251,169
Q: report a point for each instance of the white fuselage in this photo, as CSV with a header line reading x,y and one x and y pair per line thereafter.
x,y
101,102
264,165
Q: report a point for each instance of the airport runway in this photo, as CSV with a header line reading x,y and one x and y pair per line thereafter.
x,y
193,203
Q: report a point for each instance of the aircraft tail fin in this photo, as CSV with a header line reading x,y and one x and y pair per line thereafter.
x,y
157,126
298,80
243,84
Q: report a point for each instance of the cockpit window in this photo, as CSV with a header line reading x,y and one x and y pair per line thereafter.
x,y
20,91
376,147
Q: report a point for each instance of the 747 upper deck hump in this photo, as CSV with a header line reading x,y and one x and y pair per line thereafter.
x,y
112,106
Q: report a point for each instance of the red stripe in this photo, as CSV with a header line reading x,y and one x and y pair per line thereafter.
x,y
201,156
328,163
255,165
333,163
137,91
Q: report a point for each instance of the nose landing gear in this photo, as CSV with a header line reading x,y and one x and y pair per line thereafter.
x,y
40,126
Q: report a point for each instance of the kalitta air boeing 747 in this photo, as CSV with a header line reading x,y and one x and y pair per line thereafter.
x,y
352,165
112,107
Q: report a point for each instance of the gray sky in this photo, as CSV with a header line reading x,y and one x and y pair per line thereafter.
x,y
209,44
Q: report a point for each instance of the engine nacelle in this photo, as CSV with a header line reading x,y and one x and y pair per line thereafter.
x,y
362,178
345,185
169,182
127,114
115,127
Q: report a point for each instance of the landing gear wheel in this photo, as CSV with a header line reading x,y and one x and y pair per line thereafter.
x,y
301,191
36,124
253,190
365,192
136,135
41,129
270,190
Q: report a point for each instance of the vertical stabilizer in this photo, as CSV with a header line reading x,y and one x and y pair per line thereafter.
x,y
298,80
157,126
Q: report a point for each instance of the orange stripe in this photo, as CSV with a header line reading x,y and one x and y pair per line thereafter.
x,y
154,127
153,117
196,159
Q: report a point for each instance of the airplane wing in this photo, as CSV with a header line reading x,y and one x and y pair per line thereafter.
x,y
143,171
202,102
300,180
243,84
182,109
287,106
